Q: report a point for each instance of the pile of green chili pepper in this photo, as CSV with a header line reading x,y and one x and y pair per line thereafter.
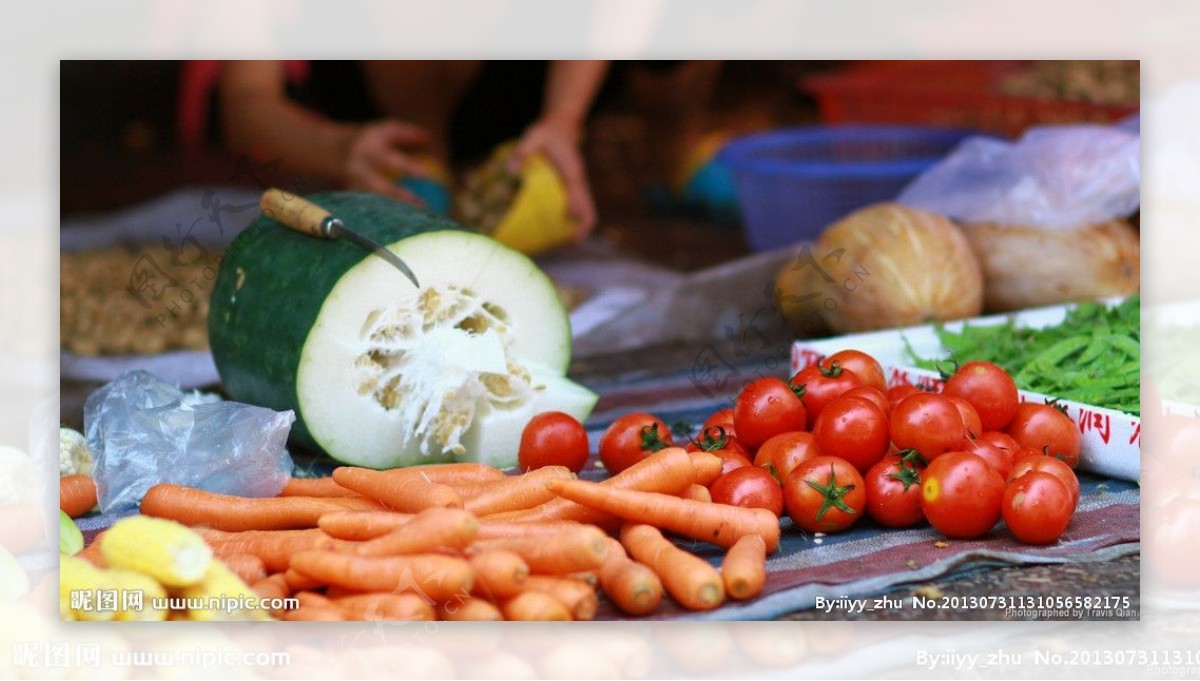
x,y
1093,356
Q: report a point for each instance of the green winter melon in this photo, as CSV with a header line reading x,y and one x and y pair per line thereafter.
x,y
379,372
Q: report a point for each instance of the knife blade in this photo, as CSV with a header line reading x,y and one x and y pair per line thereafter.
x,y
303,216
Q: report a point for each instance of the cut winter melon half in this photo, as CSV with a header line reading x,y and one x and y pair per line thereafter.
x,y
390,375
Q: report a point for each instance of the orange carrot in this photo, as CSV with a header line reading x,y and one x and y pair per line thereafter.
x,y
508,530
192,506
719,524
385,606
298,581
336,591
579,598
707,468
248,568
534,606
669,471
76,494
404,493
91,552
518,492
273,586
273,547
433,576
312,599
697,493
315,487
468,610
362,525
450,473
690,580
499,574
744,569
430,530
313,614
634,588
559,553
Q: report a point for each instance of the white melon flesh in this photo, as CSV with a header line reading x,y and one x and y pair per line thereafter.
x,y
392,375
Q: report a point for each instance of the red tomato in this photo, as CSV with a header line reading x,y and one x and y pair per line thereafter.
x,y
997,458
989,389
1002,440
825,494
785,451
961,495
1051,465
731,461
767,407
632,438
866,367
1041,425
894,492
751,487
897,393
928,423
723,418
1037,508
822,385
715,438
1169,537
970,417
876,395
553,438
854,429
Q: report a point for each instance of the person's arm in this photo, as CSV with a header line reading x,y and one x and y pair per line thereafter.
x,y
258,115
570,88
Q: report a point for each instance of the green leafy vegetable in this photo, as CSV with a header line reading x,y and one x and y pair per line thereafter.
x,y
1093,356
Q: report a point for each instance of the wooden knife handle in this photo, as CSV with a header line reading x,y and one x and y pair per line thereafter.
x,y
296,213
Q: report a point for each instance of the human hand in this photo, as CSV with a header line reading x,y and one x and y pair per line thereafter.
x,y
558,141
379,153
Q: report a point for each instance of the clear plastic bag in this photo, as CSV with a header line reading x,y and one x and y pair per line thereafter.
x,y
144,431
1057,177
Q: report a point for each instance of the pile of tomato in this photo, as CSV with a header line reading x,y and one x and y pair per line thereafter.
x,y
834,445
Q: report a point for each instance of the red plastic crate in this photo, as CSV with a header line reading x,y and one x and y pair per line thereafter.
x,y
959,94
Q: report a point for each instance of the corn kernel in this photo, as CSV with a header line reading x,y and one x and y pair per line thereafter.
x,y
167,551
221,583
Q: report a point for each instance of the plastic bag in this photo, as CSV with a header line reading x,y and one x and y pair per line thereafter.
x,y
144,431
1058,177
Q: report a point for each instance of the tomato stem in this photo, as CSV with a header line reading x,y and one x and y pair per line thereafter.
x,y
833,495
651,442
709,443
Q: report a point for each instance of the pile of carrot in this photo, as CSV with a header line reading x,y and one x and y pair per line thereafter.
x,y
467,542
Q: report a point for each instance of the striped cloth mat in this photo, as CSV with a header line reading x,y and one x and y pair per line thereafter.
x,y
867,559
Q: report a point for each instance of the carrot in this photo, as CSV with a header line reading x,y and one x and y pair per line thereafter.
x,y
558,553
719,524
508,530
697,493
534,605
361,525
690,580
315,487
312,599
273,586
336,591
744,569
499,574
449,473
634,588
707,468
518,492
430,530
468,610
313,614
385,606
248,568
192,506
669,471
298,581
405,493
579,598
76,494
433,576
273,547
91,552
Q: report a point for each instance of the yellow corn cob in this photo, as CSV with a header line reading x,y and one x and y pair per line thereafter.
x,y
219,581
163,549
127,581
86,580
